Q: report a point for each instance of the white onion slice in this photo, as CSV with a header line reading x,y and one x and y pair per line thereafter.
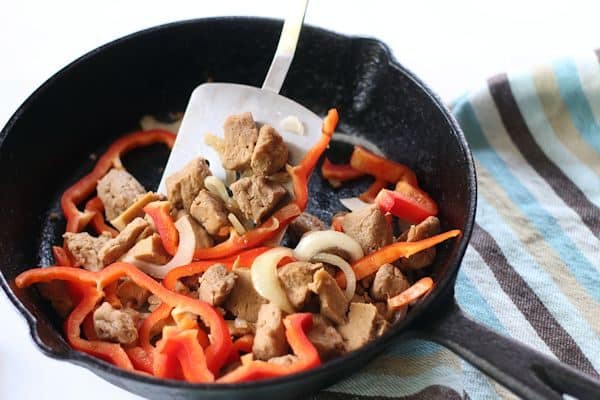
x,y
215,142
354,204
148,122
183,256
217,187
265,280
316,242
342,265
293,124
237,225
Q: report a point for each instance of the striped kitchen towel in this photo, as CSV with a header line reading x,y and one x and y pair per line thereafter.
x,y
532,270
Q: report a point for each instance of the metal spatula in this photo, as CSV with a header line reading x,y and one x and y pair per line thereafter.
x,y
211,103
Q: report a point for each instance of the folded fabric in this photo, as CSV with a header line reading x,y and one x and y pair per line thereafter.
x,y
532,270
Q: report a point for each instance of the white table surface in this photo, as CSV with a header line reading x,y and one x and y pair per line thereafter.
x,y
451,45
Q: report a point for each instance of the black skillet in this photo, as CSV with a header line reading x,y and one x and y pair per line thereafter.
x,y
47,143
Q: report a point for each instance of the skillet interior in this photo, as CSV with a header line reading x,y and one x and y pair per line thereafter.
x,y
46,146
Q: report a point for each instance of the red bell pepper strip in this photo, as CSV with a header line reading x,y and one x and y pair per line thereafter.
x,y
296,326
111,352
95,205
141,360
417,290
369,195
110,294
380,167
301,172
178,351
244,343
169,236
370,263
221,344
253,238
61,256
339,172
146,330
409,203
76,219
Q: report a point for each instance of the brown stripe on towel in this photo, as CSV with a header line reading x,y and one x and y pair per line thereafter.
x,y
549,330
519,132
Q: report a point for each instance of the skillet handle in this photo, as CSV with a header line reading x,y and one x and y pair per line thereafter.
x,y
527,372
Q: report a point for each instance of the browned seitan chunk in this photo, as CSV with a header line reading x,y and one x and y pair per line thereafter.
x,y
240,135
215,284
304,223
203,239
364,324
369,227
116,247
430,226
150,249
326,339
131,295
333,302
118,189
257,196
269,340
183,186
85,248
116,325
389,281
270,153
243,301
295,278
209,210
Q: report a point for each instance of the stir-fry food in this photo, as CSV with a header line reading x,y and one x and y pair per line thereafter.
x,y
195,285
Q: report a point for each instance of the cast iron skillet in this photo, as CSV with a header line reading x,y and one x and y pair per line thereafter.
x,y
46,145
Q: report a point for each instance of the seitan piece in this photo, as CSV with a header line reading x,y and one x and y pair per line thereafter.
x,y
118,189
333,301
243,301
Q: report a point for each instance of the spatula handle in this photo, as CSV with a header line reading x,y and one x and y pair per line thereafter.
x,y
287,46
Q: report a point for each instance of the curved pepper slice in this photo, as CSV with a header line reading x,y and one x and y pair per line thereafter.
x,y
111,352
83,188
221,344
159,212
380,167
369,195
407,202
339,172
369,264
95,205
178,355
301,172
253,238
61,256
415,291
296,326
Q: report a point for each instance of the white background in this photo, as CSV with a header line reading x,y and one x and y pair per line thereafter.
x,y
451,45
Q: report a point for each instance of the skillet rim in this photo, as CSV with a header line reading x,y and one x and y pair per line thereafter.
x,y
444,287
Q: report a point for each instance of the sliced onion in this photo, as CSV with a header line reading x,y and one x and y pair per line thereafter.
x,y
293,124
237,225
354,204
148,122
183,256
215,142
316,242
265,280
344,266
217,187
